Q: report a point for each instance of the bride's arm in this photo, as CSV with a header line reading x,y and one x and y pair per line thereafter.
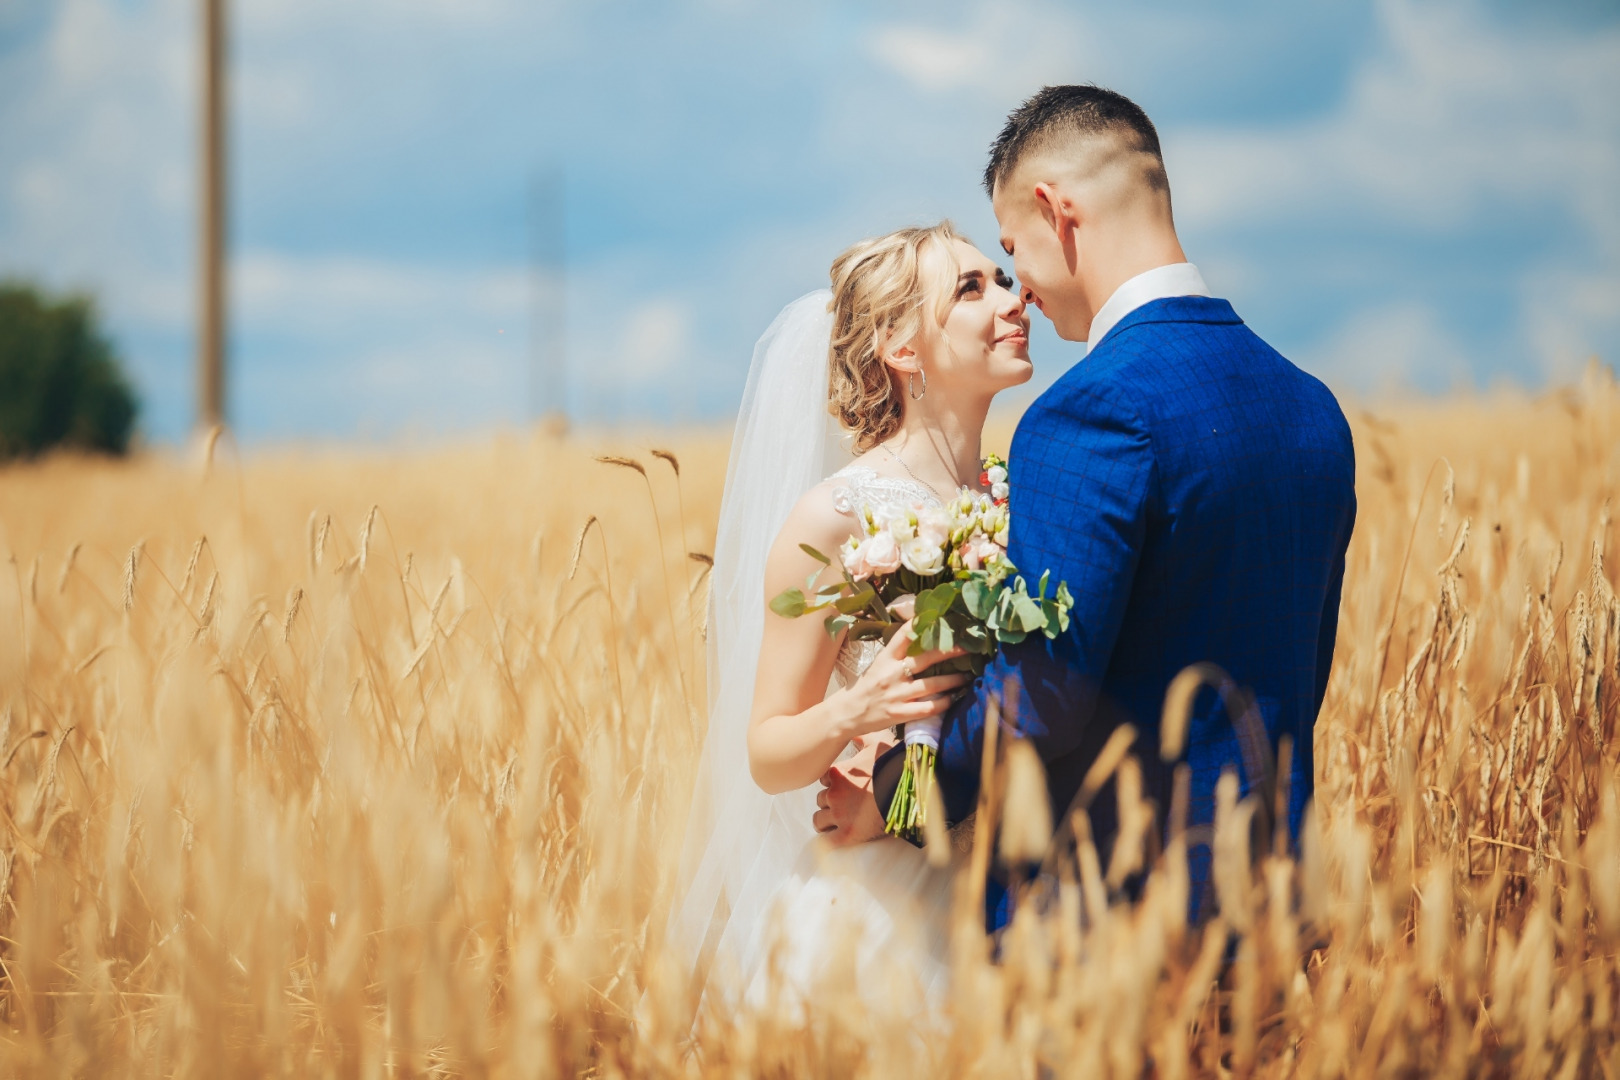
x,y
797,729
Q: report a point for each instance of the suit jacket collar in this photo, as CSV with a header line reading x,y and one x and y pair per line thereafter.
x,y
1174,309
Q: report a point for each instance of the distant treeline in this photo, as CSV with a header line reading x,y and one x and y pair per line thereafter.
x,y
61,384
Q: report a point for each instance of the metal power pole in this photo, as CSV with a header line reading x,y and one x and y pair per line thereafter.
x,y
211,224
548,287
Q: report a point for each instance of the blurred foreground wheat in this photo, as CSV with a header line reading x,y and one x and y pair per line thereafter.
x,y
350,766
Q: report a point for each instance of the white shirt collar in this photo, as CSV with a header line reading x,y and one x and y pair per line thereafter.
x,y
1176,279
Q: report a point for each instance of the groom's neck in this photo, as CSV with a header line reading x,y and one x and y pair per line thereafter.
x,y
1112,254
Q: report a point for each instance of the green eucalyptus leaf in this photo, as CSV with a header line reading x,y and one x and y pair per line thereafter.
x,y
856,601
979,598
935,602
976,639
922,620
1027,614
997,619
1005,605
1050,615
789,603
837,624
816,555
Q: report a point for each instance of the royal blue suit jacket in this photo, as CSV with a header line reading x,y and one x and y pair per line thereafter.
x,y
1196,492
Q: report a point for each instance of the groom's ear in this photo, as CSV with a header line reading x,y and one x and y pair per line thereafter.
x,y
1063,218
1056,210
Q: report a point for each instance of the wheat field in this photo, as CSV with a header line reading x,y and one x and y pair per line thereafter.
x,y
376,764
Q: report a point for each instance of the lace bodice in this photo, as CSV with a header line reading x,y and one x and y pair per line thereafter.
x,y
857,486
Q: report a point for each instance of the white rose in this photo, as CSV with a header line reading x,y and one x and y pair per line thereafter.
x,y
882,553
922,557
999,490
903,527
996,475
933,526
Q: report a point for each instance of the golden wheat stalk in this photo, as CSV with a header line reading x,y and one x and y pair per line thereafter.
x,y
228,853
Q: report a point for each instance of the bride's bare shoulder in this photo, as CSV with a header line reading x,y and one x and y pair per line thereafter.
x,y
820,518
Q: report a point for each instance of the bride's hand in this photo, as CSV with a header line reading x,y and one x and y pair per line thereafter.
x,y
888,694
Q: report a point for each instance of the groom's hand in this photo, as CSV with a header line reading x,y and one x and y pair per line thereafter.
x,y
847,813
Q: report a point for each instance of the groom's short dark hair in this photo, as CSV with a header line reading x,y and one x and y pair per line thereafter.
x,y
1058,113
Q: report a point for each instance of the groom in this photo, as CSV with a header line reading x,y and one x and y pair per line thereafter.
x,y
1193,488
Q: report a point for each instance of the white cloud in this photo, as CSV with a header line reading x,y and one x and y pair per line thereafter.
x,y
931,59
1566,315
435,348
434,385
94,128
657,338
1453,119
298,16
374,346
296,295
1389,349
1009,48
1456,113
1460,122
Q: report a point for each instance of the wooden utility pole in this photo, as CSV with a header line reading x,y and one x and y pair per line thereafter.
x,y
211,224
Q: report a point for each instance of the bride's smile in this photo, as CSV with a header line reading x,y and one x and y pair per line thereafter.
x,y
981,346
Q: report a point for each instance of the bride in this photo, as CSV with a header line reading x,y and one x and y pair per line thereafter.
x,y
918,334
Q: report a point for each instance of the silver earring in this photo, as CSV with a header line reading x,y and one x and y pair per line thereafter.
x,y
912,390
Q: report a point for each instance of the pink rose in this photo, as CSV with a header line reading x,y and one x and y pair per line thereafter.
x,y
881,553
980,550
903,607
970,554
856,559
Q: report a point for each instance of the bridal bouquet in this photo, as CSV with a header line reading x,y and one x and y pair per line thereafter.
x,y
947,571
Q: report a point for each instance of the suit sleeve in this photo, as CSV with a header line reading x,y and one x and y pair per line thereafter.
x,y
1327,635
1082,479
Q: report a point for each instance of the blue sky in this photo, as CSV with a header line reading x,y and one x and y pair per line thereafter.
x,y
1395,194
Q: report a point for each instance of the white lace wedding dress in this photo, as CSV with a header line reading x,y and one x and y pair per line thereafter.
x,y
878,908
761,903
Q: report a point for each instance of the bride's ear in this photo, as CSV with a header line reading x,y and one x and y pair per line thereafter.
x,y
900,358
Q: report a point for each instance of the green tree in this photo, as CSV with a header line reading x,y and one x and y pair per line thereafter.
x,y
60,382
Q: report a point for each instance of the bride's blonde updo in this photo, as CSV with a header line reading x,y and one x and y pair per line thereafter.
x,y
882,291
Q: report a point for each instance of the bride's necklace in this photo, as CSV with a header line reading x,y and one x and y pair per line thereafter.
x,y
902,463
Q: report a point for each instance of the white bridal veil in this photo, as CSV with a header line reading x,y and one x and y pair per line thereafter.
x,y
741,843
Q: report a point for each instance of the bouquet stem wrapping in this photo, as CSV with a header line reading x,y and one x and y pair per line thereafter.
x,y
908,812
